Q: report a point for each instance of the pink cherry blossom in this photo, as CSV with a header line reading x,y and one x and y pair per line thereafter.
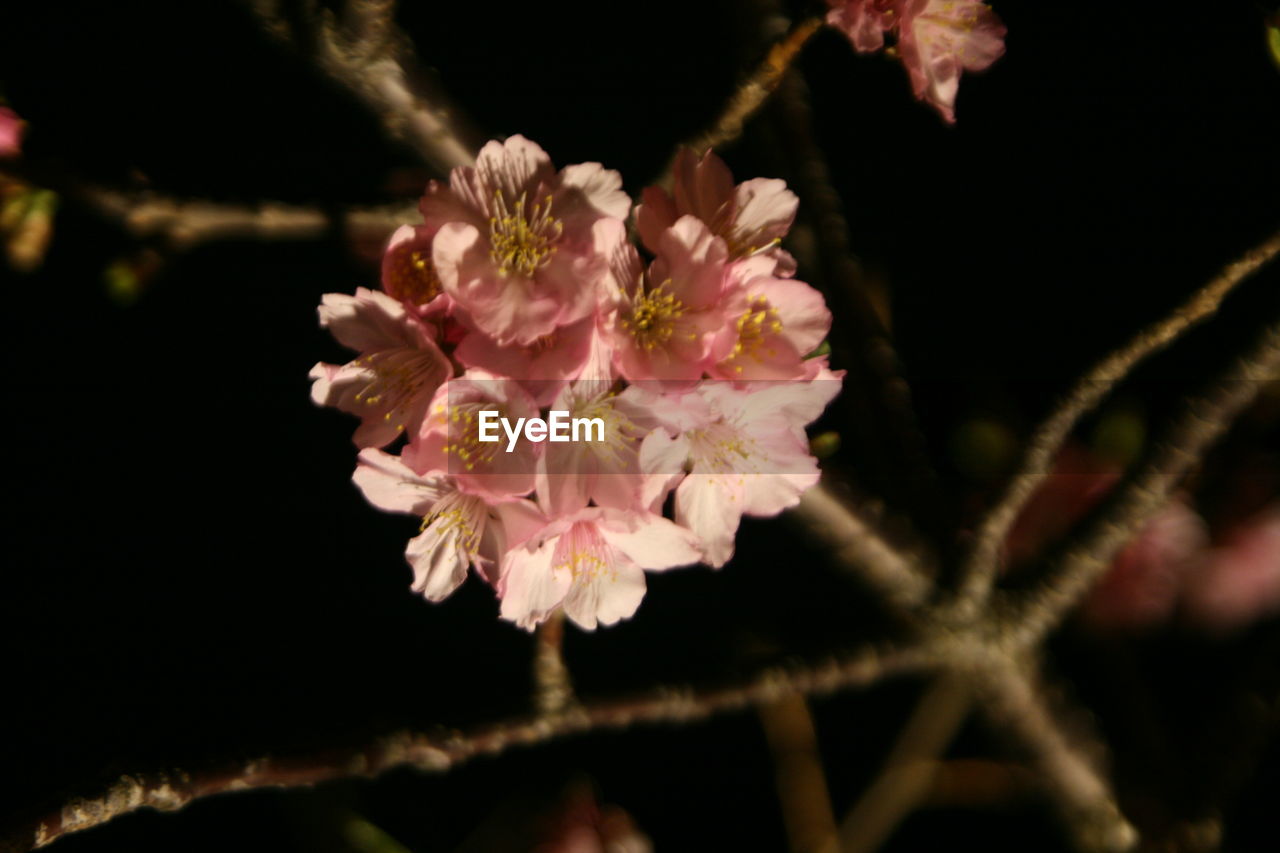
x,y
449,439
866,21
1239,579
752,217
1141,588
542,365
936,39
940,39
748,456
11,130
592,564
572,474
514,245
665,321
774,324
580,824
690,373
399,369
459,531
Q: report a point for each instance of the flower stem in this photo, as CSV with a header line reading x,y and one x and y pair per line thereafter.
x,y
553,689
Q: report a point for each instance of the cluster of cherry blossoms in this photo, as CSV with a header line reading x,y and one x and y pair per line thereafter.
x,y
935,39
522,294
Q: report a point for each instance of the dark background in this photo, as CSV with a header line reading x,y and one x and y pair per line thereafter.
x,y
191,577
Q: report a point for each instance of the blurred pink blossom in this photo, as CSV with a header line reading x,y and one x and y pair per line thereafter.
x,y
11,132
937,40
1238,581
1141,588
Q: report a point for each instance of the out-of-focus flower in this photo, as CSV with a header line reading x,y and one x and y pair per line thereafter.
x,y
26,212
1141,588
752,217
582,825
1238,580
399,369
866,21
12,129
592,563
514,245
937,40
1169,566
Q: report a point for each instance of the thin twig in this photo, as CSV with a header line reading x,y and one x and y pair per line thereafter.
x,y
369,56
909,770
183,224
439,753
1204,418
751,95
856,543
982,562
799,778
1015,706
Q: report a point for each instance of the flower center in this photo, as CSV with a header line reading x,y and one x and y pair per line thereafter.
x,y
412,277
756,324
621,435
721,449
522,239
543,344
452,519
464,435
652,318
583,553
399,377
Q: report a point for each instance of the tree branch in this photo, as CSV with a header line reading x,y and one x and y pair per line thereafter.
x,y
440,753
908,772
1204,418
982,562
857,544
1015,706
798,776
751,95
369,56
183,224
